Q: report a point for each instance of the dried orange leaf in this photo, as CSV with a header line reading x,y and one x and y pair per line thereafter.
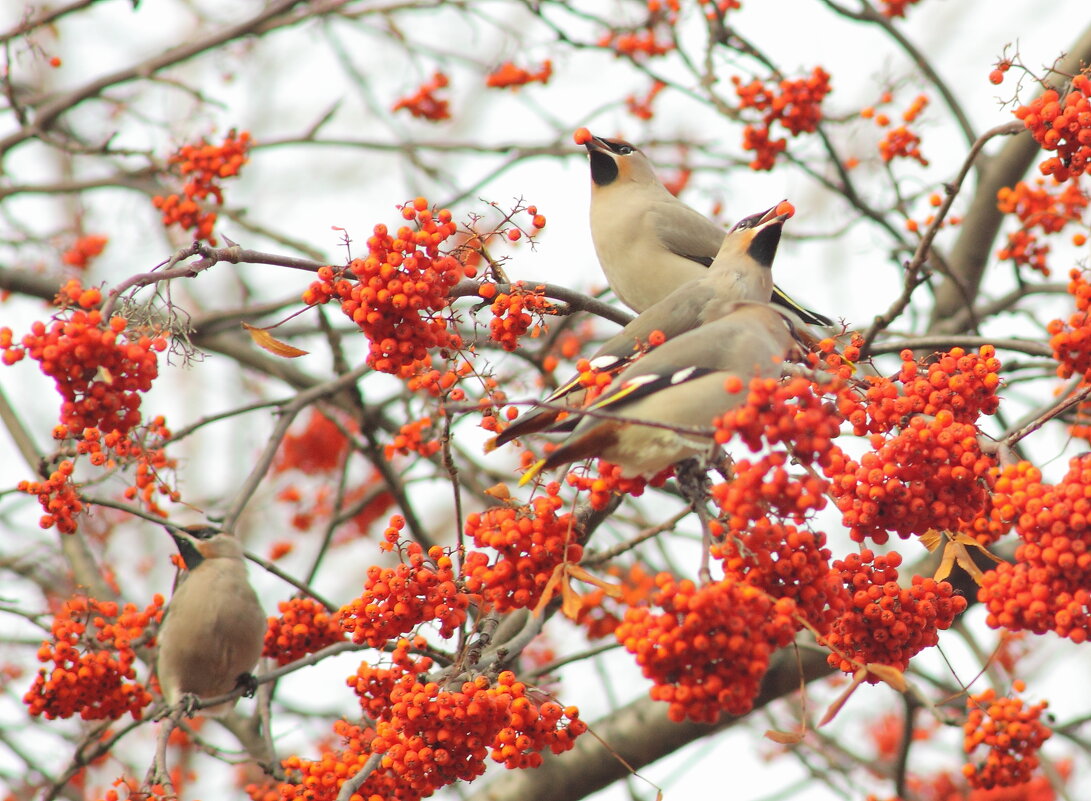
x,y
889,675
784,737
266,341
570,600
549,589
579,573
931,539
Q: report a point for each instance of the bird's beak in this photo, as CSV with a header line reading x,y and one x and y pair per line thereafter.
x,y
771,216
596,144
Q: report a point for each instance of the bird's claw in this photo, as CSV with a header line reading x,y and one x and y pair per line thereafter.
x,y
248,683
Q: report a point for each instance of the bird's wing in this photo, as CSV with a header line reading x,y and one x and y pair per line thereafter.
x,y
686,232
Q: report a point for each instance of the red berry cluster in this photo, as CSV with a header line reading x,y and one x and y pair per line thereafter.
x,y
795,414
715,9
515,311
531,540
796,105
599,612
896,8
1071,341
785,562
933,473
424,104
205,166
304,626
1062,125
58,498
641,108
431,736
654,39
885,623
1048,587
92,655
321,779
609,482
709,647
509,76
399,288
397,600
411,439
142,447
1012,732
315,449
99,370
899,142
1037,208
83,250
764,488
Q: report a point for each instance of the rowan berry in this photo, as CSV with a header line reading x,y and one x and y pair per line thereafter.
x,y
886,623
1012,733
708,648
93,661
304,626
531,541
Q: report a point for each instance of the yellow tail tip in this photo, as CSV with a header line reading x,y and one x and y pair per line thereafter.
x,y
535,469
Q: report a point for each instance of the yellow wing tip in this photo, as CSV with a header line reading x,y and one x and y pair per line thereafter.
x,y
491,445
529,476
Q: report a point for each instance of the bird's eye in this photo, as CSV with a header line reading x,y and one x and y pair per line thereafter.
x,y
624,150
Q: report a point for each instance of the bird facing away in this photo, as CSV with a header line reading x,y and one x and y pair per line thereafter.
x,y
742,270
682,383
214,628
648,241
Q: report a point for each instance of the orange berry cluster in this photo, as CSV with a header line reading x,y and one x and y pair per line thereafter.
x,y
58,498
1048,587
1037,208
514,312
98,369
765,488
796,105
902,143
715,9
320,779
932,475
785,562
304,626
531,541
83,250
642,108
431,736
424,104
92,655
886,623
1062,125
708,648
794,414
316,449
411,439
509,76
609,482
397,600
1071,341
141,447
401,284
206,166
648,42
135,790
1012,732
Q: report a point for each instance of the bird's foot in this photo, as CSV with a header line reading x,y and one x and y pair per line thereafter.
x,y
188,705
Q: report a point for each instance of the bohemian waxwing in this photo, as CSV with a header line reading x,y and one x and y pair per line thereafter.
x,y
682,383
742,270
648,241
214,628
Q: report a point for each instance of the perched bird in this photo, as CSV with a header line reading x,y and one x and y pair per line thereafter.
x,y
681,384
648,241
742,270
214,628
